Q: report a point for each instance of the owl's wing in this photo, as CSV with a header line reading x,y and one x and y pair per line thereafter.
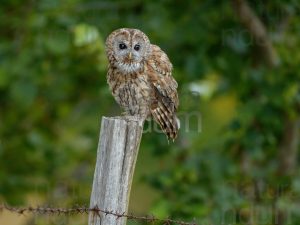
x,y
165,101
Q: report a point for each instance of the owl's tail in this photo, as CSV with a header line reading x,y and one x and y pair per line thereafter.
x,y
167,120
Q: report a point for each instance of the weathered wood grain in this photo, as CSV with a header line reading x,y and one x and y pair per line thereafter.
x,y
116,157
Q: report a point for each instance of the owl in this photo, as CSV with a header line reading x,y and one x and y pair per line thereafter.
x,y
140,79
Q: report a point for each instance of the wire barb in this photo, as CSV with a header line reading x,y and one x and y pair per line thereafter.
x,y
85,210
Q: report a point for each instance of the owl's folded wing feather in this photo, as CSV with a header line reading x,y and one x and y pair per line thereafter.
x,y
162,79
165,101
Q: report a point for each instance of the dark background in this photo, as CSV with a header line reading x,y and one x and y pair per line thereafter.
x,y
237,65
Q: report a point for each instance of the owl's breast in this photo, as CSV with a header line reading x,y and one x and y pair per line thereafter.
x,y
132,92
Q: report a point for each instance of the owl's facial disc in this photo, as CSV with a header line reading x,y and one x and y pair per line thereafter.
x,y
129,56
129,52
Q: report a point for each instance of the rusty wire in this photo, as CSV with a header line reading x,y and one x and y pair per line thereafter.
x,y
85,210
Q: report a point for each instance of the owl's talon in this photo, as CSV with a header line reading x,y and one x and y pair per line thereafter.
x,y
128,117
134,118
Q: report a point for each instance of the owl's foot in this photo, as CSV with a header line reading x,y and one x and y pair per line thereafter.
x,y
124,114
134,118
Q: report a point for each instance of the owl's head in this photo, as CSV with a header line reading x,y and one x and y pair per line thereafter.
x,y
127,49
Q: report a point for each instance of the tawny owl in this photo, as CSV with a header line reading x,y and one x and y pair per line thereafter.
x,y
140,78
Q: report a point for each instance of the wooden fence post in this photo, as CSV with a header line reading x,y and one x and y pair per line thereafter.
x,y
116,157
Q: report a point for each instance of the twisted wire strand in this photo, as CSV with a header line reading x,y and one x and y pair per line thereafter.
x,y
86,210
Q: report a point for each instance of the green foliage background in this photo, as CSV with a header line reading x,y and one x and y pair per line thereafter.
x,y
240,169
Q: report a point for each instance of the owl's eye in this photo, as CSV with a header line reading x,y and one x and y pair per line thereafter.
x,y
122,46
137,47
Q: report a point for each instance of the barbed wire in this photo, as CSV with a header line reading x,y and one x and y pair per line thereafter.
x,y
87,210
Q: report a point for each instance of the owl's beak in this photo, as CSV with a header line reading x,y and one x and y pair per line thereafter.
x,y
129,55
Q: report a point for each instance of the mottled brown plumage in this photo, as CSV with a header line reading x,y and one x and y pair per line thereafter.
x,y
140,78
